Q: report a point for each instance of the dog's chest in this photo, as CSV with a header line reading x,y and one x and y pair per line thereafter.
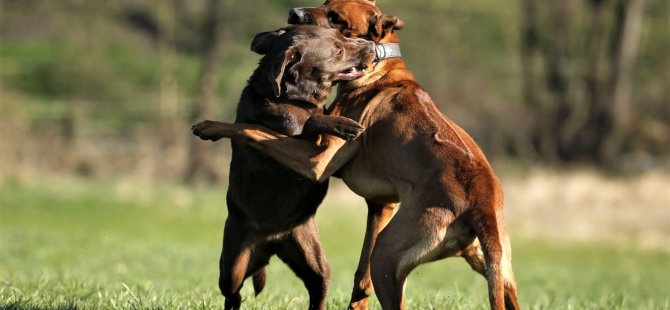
x,y
273,197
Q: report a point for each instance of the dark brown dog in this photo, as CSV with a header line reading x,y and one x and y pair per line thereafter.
x,y
451,200
271,208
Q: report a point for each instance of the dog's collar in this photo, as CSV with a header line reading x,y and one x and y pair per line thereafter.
x,y
387,50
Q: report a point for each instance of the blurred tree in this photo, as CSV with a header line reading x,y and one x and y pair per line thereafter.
x,y
122,78
629,15
579,86
199,159
167,54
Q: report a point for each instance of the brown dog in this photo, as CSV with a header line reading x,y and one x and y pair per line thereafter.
x,y
270,208
451,200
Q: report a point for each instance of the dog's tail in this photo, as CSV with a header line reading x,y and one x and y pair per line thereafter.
x,y
258,279
488,224
486,230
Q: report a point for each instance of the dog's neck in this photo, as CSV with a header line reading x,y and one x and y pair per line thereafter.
x,y
260,94
387,47
259,90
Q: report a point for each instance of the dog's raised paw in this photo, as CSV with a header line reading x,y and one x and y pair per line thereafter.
x,y
205,130
350,132
346,128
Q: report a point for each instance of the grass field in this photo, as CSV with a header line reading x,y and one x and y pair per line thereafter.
x,y
68,244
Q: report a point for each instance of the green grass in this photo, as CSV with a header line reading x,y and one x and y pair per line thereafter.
x,y
73,244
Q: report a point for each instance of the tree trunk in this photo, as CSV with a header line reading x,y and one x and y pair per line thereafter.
x,y
582,101
530,37
629,24
167,54
553,101
529,44
169,124
199,163
580,132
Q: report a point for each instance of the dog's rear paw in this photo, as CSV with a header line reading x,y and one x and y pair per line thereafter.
x,y
206,130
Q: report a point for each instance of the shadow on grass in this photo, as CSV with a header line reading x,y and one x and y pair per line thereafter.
x,y
27,305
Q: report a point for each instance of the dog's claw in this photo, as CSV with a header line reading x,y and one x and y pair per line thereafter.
x,y
351,135
349,129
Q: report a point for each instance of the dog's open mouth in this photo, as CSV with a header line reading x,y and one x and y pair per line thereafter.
x,y
351,73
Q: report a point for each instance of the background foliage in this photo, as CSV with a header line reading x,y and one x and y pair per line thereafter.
x,y
119,80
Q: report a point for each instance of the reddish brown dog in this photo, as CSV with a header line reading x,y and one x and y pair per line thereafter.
x,y
451,200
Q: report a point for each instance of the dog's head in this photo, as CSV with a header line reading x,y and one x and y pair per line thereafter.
x,y
353,18
302,62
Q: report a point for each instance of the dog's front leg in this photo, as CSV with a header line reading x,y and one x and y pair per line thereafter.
x,y
314,161
213,130
378,216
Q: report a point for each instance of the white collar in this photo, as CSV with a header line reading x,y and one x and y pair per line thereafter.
x,y
387,50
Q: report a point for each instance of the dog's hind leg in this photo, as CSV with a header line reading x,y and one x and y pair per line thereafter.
x,y
474,255
259,278
489,227
378,216
240,258
301,251
233,263
413,237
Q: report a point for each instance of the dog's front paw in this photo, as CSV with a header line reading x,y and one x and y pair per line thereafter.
x,y
207,130
346,128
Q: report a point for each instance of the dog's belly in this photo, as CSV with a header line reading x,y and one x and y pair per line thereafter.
x,y
274,198
363,180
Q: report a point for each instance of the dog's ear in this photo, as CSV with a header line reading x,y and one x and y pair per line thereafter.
x,y
264,41
390,22
382,25
279,64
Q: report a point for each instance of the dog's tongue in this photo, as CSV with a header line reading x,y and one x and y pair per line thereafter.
x,y
351,73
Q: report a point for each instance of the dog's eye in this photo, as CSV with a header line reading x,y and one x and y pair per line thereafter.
x,y
335,19
339,49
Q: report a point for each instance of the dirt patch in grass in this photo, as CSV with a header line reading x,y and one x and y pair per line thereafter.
x,y
577,205
585,205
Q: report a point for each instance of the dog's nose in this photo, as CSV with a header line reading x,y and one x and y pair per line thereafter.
x,y
298,16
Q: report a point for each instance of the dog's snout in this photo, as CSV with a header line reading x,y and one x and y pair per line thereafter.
x,y
363,44
367,46
360,41
294,16
299,16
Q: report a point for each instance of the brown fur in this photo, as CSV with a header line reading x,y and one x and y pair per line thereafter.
x,y
451,200
270,208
